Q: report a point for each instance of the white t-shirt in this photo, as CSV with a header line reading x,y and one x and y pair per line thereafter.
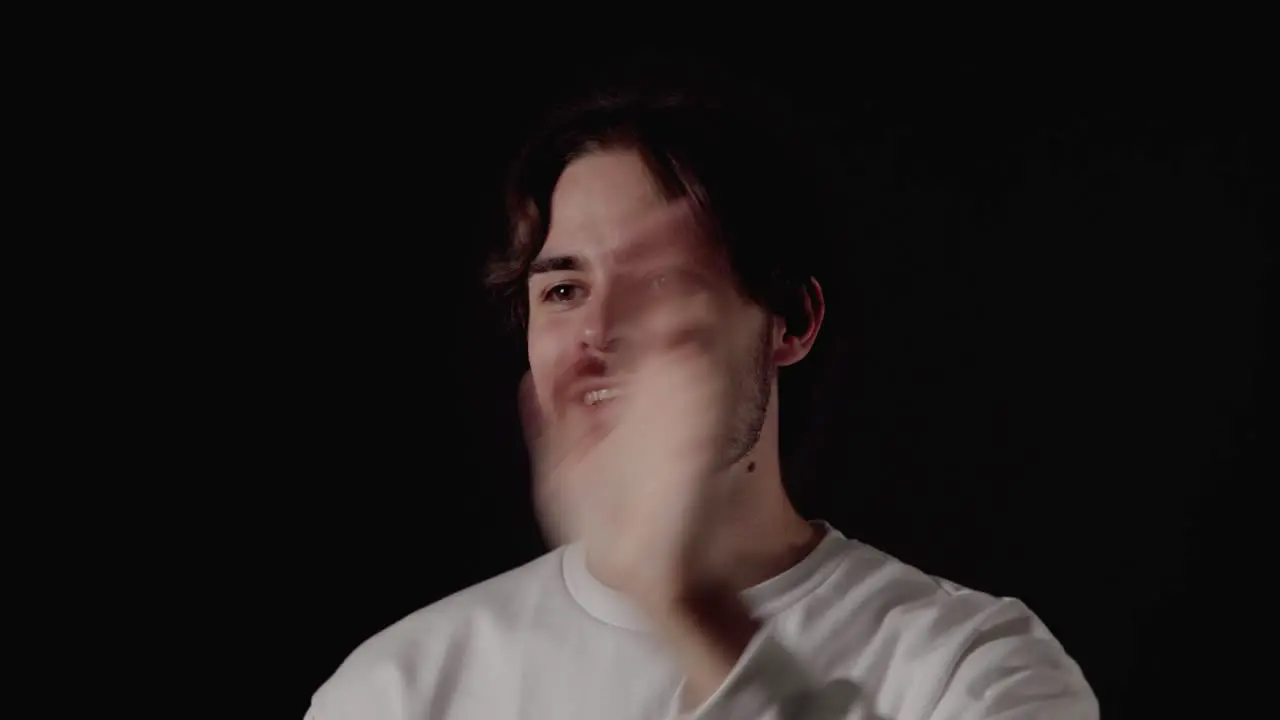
x,y
848,632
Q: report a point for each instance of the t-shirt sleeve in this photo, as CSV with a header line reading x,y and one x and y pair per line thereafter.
x,y
1008,668
1012,668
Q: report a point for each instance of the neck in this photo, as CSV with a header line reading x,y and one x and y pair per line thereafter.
x,y
759,533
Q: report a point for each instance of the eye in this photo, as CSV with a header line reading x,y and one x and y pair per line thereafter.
x,y
561,293
673,282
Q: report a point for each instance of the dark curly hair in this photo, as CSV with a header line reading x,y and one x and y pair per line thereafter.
x,y
768,192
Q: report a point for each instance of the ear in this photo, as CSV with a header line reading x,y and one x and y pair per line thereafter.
x,y
791,345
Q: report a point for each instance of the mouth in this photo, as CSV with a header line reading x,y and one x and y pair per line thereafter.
x,y
597,397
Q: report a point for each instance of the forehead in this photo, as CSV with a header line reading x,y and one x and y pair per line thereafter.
x,y
599,198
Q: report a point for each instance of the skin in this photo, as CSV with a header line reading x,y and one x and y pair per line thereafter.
x,y
674,486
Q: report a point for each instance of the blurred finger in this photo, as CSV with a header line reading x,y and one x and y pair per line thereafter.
x,y
560,452
675,232
662,311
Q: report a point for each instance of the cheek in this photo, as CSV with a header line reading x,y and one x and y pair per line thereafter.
x,y
753,333
550,345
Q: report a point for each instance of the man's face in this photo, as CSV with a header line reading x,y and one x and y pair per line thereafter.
x,y
615,248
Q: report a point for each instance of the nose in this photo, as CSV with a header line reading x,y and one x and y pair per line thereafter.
x,y
614,317
610,316
599,333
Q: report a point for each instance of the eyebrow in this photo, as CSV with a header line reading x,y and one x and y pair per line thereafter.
x,y
555,263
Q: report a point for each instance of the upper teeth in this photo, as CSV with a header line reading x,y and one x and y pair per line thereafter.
x,y
596,396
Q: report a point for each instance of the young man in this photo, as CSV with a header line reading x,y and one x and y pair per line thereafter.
x,y
660,260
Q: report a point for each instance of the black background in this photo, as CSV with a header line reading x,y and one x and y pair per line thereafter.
x,y
1041,372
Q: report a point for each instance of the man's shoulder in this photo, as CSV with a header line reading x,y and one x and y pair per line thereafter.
x,y
422,640
865,577
914,604
939,638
